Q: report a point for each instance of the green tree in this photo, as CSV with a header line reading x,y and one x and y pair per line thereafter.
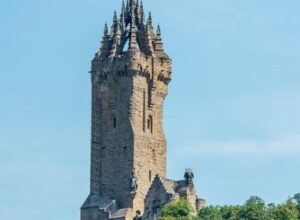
x,y
271,209
253,209
286,211
179,210
210,213
297,200
230,212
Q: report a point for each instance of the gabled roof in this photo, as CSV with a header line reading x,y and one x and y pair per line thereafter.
x,y
169,185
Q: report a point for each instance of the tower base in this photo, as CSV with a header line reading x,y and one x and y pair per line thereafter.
x,y
98,208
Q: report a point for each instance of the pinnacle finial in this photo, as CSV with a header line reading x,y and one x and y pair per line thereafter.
x,y
115,19
158,31
142,7
123,10
142,12
150,18
123,5
123,13
105,29
127,5
132,5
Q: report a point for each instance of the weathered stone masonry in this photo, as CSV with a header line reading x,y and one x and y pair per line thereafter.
x,y
130,76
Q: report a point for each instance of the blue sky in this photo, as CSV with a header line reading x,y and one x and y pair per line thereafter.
x,y
232,113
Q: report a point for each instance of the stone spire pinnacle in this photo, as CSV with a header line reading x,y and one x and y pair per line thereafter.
x,y
115,40
158,32
105,44
116,26
142,12
149,21
137,11
132,4
123,7
132,37
127,5
105,30
123,16
137,5
158,40
123,11
115,19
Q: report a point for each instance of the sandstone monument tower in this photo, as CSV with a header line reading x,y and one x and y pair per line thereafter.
x,y
130,76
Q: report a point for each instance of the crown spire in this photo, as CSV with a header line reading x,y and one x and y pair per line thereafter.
x,y
131,26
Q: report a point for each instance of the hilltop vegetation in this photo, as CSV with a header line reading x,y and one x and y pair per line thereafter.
x,y
253,209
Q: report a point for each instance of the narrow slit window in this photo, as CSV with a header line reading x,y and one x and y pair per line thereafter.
x,y
150,124
125,149
150,176
114,123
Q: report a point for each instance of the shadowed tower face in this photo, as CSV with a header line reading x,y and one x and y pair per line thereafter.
x,y
130,76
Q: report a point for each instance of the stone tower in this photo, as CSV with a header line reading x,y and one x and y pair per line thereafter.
x,y
130,76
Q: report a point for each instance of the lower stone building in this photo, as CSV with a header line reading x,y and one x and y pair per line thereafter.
x,y
164,191
161,192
